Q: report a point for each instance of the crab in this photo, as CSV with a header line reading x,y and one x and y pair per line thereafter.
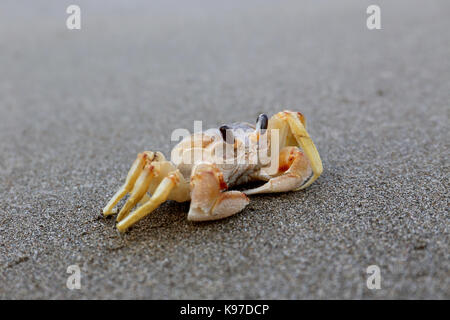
x,y
200,171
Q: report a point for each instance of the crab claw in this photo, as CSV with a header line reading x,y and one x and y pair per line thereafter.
x,y
208,202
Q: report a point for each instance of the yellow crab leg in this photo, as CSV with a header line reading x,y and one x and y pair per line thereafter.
x,y
139,190
159,196
133,174
305,142
144,199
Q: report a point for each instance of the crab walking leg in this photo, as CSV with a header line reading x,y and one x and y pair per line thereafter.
x,y
294,168
144,199
159,196
304,140
139,190
207,200
133,174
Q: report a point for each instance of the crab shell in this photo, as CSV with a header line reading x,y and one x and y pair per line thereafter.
x,y
237,161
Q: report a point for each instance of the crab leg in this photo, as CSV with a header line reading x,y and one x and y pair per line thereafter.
x,y
303,139
159,196
133,174
144,199
139,190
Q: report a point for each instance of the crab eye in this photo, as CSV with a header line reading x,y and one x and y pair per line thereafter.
x,y
226,133
261,122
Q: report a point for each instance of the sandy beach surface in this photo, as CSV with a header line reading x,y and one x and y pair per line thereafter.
x,y
77,106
